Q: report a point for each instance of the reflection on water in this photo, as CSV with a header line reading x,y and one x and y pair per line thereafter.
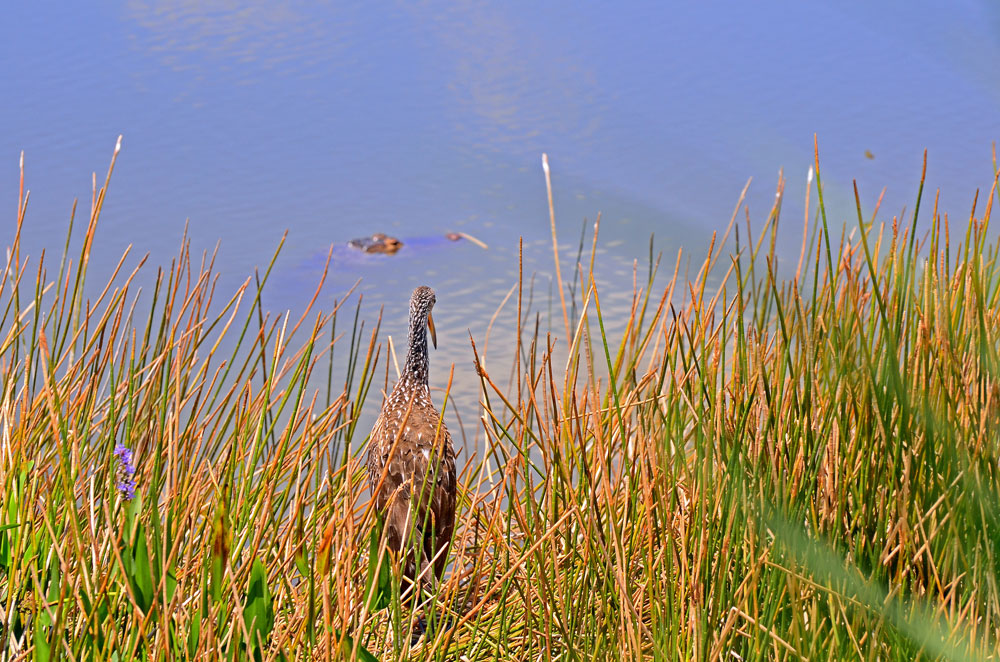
x,y
196,36
335,121
503,83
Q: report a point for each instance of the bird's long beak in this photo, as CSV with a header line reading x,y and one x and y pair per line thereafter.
x,y
430,326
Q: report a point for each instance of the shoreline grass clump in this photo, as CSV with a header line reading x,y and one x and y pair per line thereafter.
x,y
751,466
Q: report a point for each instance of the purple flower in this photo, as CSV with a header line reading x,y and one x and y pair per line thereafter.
x,y
125,473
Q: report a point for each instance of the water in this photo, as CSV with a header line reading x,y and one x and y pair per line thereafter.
x,y
338,121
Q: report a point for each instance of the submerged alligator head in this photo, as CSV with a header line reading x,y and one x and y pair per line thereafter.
x,y
377,243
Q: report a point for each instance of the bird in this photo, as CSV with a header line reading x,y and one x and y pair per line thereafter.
x,y
411,461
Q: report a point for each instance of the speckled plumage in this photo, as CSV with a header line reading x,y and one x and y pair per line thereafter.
x,y
411,462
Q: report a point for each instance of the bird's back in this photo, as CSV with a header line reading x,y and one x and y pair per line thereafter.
x,y
410,455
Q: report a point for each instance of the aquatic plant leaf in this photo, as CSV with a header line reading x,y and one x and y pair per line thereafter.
x,y
43,652
5,545
142,577
258,611
301,564
378,587
51,595
348,645
194,633
300,552
134,509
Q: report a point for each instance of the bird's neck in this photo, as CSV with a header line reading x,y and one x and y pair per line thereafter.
x,y
417,363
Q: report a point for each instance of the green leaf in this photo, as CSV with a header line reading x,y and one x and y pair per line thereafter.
x,y
51,595
132,511
42,649
5,544
170,579
301,563
300,551
22,481
215,583
31,551
4,551
258,612
142,577
347,645
194,633
378,586
170,584
102,617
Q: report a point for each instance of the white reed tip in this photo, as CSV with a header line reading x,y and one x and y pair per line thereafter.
x,y
118,145
809,176
545,163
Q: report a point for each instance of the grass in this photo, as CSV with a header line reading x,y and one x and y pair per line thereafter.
x,y
751,466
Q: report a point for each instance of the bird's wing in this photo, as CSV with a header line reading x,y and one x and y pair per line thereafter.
x,y
443,507
416,465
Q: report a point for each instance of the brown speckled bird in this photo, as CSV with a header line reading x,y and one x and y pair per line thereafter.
x,y
411,462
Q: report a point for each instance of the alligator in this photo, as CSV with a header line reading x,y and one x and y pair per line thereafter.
x,y
383,243
377,243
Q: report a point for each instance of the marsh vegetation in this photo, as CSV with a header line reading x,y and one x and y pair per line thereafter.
x,y
761,462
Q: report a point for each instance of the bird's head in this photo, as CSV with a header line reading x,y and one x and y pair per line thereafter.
x,y
421,302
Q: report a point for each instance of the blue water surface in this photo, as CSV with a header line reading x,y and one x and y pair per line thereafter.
x,y
336,120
